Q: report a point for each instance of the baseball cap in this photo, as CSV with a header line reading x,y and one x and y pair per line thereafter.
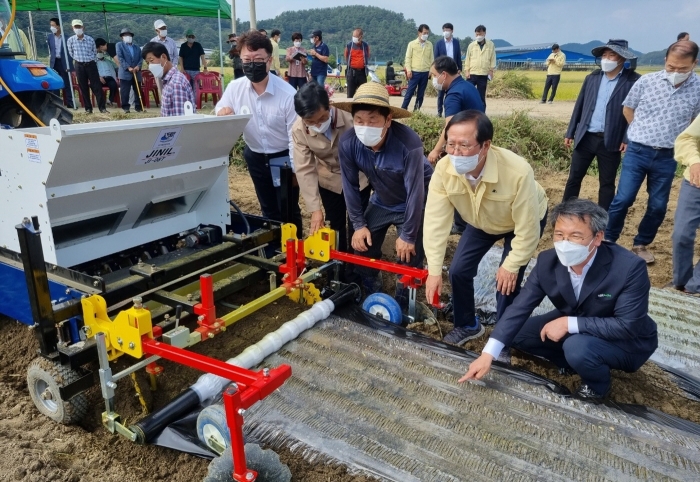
x,y
158,24
189,33
316,33
76,22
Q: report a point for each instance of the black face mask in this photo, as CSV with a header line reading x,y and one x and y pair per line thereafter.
x,y
255,71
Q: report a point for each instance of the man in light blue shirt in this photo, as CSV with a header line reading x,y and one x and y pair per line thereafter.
x,y
106,66
597,128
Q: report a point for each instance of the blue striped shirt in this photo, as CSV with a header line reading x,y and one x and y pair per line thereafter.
x,y
82,50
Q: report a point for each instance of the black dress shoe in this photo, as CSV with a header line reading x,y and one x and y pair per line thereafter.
x,y
104,111
587,394
88,111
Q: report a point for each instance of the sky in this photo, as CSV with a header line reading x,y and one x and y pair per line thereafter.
x,y
647,24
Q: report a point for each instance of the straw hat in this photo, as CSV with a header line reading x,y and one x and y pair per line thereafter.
x,y
373,93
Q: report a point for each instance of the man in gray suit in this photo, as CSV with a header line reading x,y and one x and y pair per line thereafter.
x,y
600,292
129,56
59,59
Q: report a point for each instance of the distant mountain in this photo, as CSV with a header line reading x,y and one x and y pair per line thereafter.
x,y
499,42
587,47
652,58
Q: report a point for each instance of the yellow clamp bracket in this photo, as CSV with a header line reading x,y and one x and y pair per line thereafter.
x,y
123,334
317,246
307,293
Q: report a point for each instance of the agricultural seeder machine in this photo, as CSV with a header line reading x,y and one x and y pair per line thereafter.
x,y
117,239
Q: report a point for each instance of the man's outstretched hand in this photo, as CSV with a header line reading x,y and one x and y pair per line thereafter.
x,y
478,368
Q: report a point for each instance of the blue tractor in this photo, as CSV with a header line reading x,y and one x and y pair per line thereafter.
x,y
32,82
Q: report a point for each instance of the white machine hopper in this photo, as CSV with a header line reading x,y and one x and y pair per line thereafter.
x,y
100,188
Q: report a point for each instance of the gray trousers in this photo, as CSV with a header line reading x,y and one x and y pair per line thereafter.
x,y
685,225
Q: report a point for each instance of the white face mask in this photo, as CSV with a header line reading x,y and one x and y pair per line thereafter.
x,y
100,56
323,128
571,254
78,31
424,37
369,136
607,65
297,43
677,78
436,85
480,38
163,33
156,70
447,34
356,40
465,164
127,38
54,30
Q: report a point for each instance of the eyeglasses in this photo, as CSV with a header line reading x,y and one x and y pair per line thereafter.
x,y
574,238
452,146
254,61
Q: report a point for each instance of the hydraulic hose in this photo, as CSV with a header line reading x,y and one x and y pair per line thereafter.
x,y
2,82
209,386
240,213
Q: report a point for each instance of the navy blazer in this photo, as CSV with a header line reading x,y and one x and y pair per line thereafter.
x,y
50,40
440,49
613,303
126,60
615,123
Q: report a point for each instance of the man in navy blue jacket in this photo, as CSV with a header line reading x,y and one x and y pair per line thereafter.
x,y
600,292
59,59
597,127
448,45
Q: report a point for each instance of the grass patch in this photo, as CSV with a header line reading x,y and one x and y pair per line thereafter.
x,y
511,85
539,141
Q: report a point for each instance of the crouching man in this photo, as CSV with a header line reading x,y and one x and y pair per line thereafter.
x,y
391,155
600,292
495,192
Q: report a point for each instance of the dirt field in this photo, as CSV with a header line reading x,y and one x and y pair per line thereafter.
x,y
38,450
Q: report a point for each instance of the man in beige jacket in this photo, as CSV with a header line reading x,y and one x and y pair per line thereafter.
x,y
495,192
315,135
555,64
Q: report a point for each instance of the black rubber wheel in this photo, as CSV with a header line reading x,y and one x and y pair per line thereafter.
x,y
44,378
44,105
265,462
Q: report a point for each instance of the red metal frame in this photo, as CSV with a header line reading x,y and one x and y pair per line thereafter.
x,y
209,324
295,264
251,387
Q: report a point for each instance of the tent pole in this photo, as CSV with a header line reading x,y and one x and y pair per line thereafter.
x,y
233,16
32,39
104,12
221,48
65,54
253,22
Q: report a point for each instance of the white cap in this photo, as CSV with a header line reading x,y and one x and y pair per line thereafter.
x,y
158,24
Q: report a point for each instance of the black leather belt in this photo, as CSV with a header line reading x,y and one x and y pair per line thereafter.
x,y
597,134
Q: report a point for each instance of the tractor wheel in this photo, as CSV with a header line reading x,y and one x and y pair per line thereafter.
x,y
265,462
44,378
44,105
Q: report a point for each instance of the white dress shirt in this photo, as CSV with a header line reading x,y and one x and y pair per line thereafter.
x,y
270,129
57,45
493,347
449,48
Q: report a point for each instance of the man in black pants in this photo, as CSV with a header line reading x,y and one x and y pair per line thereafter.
x,y
356,58
597,127
84,52
59,60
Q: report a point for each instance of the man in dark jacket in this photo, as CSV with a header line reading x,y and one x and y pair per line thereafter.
x,y
448,45
600,293
59,59
597,127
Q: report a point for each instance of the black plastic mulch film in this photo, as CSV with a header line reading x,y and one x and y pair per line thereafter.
x,y
182,434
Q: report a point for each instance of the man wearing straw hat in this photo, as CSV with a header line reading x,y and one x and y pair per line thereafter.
x,y
391,156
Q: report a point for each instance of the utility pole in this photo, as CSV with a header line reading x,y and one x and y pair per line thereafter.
x,y
253,22
233,16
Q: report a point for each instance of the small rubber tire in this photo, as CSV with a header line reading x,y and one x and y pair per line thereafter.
x,y
211,423
265,462
44,380
383,306
403,92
